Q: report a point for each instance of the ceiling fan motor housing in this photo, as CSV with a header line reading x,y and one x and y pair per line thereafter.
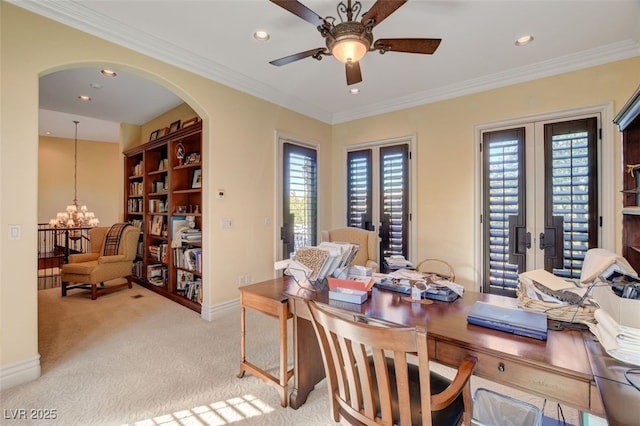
x,y
349,31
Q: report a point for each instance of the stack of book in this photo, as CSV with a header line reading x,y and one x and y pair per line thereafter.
x,y
191,236
157,274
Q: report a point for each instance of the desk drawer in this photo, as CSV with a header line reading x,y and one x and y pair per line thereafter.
x,y
265,305
529,378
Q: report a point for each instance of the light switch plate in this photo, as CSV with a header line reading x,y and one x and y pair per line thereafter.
x,y
15,232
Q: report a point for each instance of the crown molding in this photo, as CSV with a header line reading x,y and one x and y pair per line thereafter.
x,y
76,15
589,58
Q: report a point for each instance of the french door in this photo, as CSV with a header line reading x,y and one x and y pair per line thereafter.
x,y
378,194
540,200
299,198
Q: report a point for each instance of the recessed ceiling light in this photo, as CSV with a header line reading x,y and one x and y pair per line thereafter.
x,y
108,73
95,86
524,40
47,133
261,35
84,98
354,91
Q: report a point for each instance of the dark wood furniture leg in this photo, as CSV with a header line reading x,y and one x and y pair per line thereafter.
x,y
307,361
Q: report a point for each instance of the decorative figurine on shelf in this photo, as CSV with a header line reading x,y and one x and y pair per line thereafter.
x,y
191,221
180,154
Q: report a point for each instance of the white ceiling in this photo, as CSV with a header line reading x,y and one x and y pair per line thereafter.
x,y
213,38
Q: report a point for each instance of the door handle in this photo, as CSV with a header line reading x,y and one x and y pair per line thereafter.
x,y
544,244
551,241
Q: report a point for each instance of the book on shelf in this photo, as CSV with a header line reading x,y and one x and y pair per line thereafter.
x,y
193,290
137,169
157,274
188,258
183,278
136,188
137,268
158,252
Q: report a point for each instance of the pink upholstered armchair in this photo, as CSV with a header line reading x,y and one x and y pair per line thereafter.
x,y
113,250
367,240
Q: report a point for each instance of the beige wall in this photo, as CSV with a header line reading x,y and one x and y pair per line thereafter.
x,y
445,150
238,158
98,185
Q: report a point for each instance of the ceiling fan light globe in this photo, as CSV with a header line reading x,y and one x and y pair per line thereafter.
x,y
349,50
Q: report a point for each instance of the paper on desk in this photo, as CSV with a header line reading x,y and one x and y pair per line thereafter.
x,y
456,288
602,262
622,343
407,274
547,279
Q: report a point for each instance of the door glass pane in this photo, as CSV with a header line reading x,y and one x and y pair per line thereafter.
x,y
570,155
300,198
359,189
394,207
503,202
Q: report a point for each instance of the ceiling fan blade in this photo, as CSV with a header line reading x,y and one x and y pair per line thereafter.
x,y
381,9
296,57
353,73
301,11
408,45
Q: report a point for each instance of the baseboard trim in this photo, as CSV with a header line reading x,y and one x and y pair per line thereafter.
x,y
19,372
211,312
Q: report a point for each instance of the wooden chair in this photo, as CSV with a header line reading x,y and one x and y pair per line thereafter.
x,y
371,380
88,270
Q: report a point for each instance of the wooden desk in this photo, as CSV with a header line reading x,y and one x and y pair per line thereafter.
x,y
559,369
266,298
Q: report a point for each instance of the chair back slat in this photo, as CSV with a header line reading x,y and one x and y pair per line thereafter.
x,y
358,359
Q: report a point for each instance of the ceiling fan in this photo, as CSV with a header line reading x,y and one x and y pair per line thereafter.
x,y
349,40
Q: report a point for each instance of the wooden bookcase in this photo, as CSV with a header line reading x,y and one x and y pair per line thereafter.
x,y
628,121
163,189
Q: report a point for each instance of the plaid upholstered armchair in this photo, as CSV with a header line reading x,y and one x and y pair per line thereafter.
x,y
113,250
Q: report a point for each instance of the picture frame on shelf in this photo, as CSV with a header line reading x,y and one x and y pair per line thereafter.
x,y
192,158
154,135
190,122
197,179
174,126
156,225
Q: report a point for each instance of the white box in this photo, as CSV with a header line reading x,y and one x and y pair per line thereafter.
x,y
623,311
348,295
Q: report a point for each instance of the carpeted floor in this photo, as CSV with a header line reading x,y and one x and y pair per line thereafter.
x,y
135,358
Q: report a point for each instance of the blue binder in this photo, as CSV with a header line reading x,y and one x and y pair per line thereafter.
x,y
511,320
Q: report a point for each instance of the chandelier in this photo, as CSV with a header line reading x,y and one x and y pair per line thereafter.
x,y
75,216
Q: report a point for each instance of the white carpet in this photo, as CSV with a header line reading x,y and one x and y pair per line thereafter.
x,y
134,358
